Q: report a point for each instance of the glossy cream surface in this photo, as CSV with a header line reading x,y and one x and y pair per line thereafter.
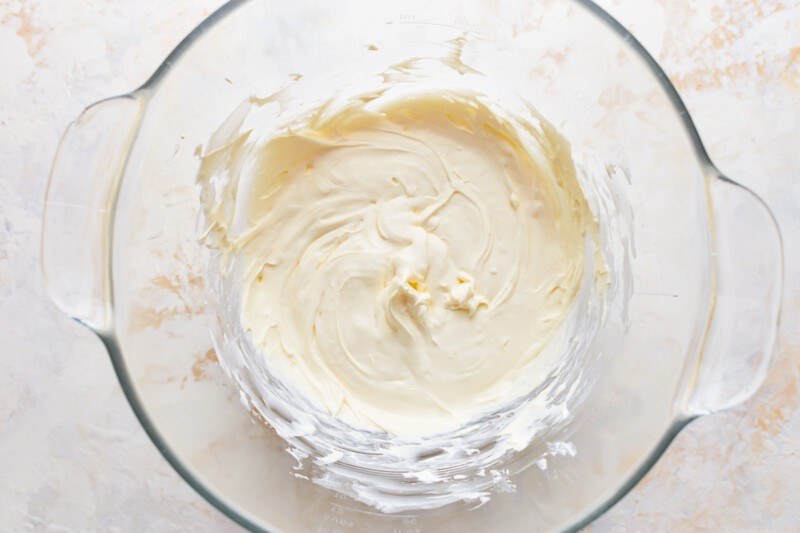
x,y
405,258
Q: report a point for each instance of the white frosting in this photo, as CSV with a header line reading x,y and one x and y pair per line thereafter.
x,y
408,276
406,258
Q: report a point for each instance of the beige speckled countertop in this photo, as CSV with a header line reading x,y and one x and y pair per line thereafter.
x,y
74,458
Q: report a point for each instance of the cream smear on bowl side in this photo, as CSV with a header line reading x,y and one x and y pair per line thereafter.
x,y
408,275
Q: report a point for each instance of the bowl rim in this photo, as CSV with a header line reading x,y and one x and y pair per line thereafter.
x,y
241,517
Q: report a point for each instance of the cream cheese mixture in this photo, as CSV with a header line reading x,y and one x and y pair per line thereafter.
x,y
403,258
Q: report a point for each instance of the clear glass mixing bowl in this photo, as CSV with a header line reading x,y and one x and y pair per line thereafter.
x,y
121,251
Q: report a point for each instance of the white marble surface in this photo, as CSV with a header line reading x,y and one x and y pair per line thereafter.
x,y
72,455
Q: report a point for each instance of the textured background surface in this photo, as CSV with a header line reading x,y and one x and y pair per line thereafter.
x,y
72,455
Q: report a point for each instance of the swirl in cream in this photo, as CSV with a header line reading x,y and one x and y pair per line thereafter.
x,y
404,258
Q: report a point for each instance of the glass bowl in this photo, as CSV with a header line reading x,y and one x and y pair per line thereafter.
x,y
689,330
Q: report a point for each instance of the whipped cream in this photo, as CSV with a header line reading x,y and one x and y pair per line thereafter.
x,y
406,258
408,274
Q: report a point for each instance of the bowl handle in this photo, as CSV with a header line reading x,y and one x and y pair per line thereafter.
x,y
76,234
748,268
